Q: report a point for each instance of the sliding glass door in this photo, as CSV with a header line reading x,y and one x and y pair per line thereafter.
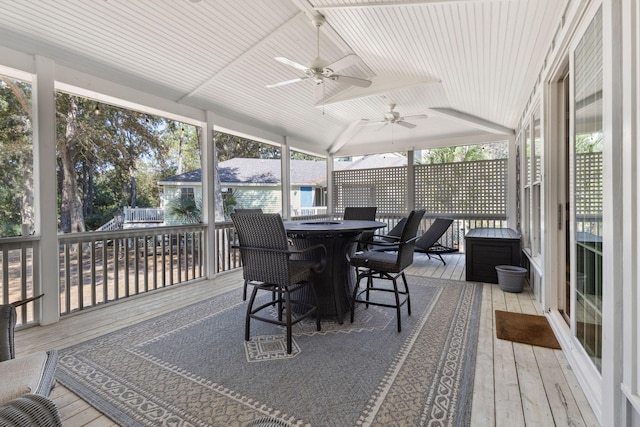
x,y
586,186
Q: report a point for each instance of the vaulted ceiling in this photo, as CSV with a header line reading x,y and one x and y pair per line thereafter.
x,y
469,66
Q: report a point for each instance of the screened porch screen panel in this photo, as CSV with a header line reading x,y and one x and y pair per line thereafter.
x,y
463,188
385,188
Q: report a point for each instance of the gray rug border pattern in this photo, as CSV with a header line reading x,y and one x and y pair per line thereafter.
x,y
463,335
107,405
387,380
472,297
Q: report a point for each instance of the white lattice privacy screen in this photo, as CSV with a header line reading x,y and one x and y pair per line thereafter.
x,y
385,188
476,188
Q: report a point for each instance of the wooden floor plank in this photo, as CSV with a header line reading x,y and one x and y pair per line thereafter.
x,y
534,400
588,415
506,386
483,408
508,403
560,396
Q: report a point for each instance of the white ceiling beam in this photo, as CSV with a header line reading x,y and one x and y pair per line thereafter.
x,y
472,121
349,132
419,144
331,33
378,86
383,4
227,67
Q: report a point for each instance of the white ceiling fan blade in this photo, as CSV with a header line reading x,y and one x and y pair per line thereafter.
x,y
373,122
351,80
291,63
405,124
416,117
342,63
287,82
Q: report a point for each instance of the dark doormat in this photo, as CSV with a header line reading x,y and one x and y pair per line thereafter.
x,y
525,328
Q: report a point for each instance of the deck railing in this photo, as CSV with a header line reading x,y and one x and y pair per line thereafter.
x,y
143,215
20,274
228,258
99,267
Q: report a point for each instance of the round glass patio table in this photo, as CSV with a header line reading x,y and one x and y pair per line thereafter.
x,y
334,285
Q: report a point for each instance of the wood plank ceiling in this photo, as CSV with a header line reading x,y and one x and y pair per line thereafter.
x,y
470,66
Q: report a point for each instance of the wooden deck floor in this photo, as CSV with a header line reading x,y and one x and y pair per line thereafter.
x,y
515,384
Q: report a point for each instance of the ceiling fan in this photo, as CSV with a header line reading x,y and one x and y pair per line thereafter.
x,y
393,117
320,70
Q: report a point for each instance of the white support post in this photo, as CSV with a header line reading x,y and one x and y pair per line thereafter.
x,y
512,221
44,183
411,181
330,188
285,181
208,153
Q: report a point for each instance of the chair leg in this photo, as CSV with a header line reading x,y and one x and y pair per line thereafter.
x,y
279,301
247,321
369,286
355,293
406,289
397,295
244,290
288,308
315,298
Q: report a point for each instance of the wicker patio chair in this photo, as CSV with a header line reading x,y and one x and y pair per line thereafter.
x,y
272,264
391,236
33,373
429,244
267,421
367,213
375,264
248,211
30,410
244,212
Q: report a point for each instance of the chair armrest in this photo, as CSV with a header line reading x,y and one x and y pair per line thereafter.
x,y
26,300
380,239
282,251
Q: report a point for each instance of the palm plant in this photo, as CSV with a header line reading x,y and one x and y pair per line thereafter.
x,y
183,210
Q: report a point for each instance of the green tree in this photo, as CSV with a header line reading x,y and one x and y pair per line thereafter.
x,y
16,156
465,153
98,137
232,146
183,210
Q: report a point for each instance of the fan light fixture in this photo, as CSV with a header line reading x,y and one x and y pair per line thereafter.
x,y
320,70
394,117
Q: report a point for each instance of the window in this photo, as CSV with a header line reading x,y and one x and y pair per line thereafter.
x,y
526,199
531,140
536,184
587,189
187,193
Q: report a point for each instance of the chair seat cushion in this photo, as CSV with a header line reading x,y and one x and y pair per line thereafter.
x,y
32,374
376,261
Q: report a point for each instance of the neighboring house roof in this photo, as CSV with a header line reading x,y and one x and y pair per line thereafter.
x,y
373,161
268,171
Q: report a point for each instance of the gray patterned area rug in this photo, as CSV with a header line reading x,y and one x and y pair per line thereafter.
x,y
192,367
